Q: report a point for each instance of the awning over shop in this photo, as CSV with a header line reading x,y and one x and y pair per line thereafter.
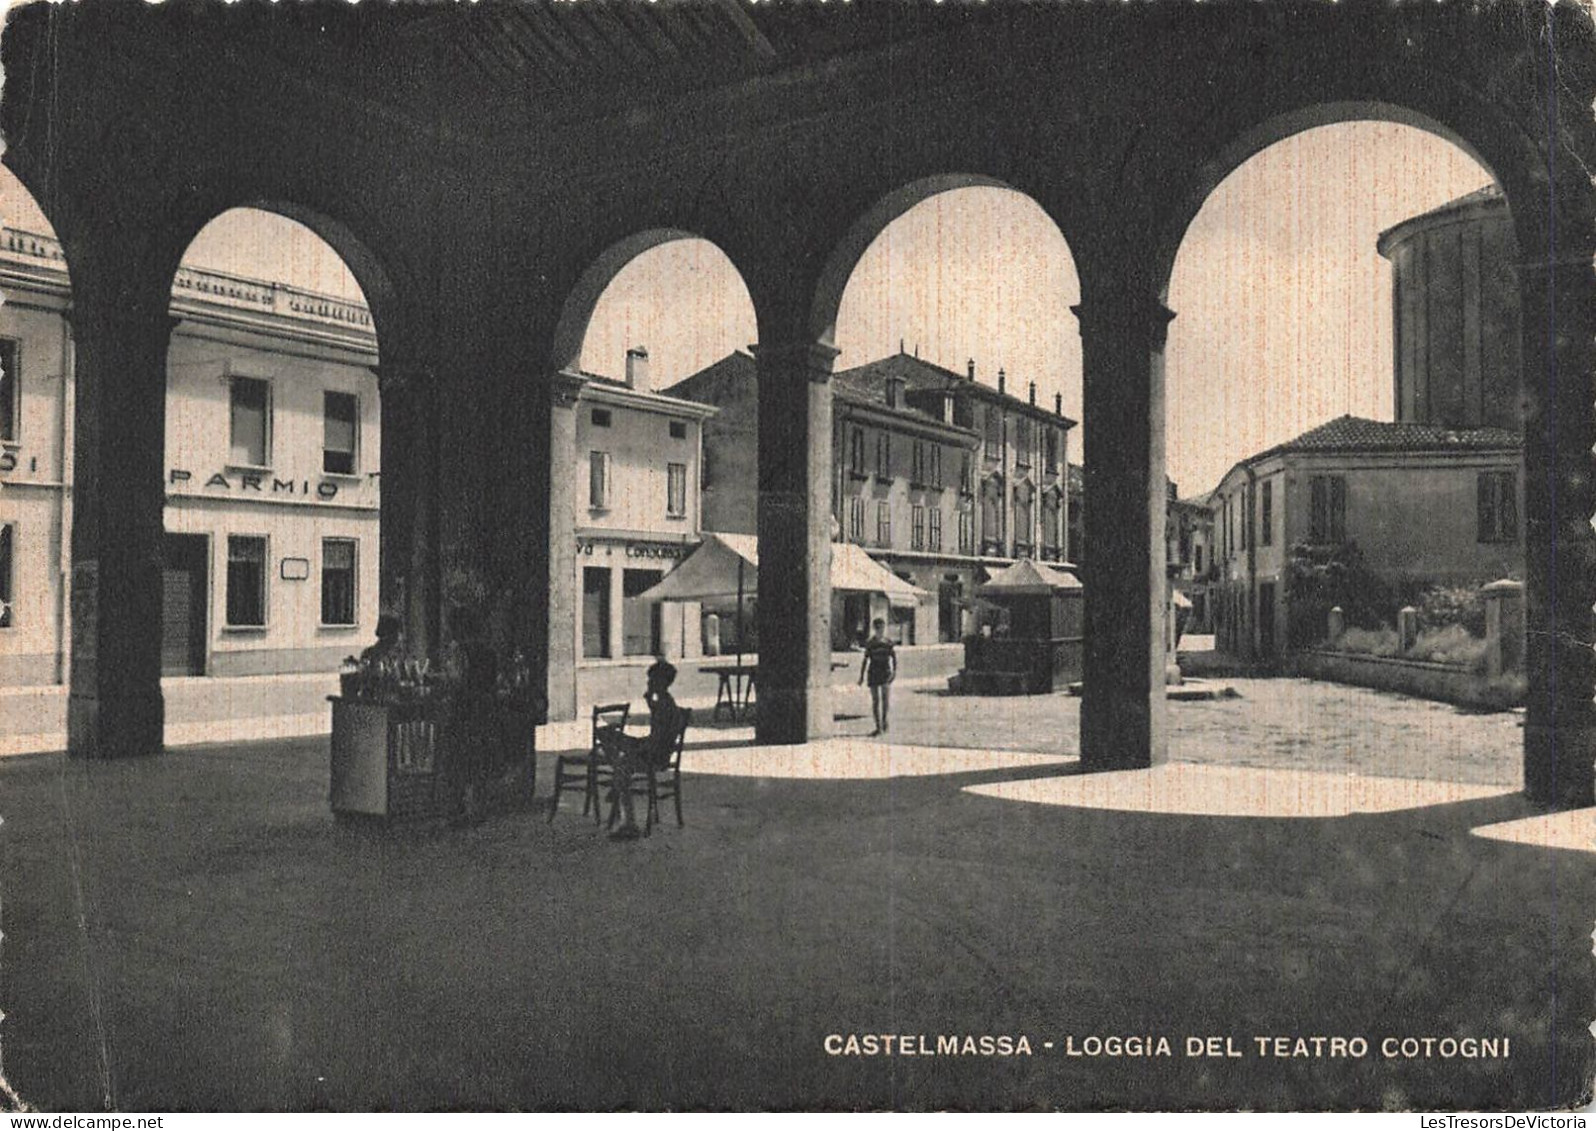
x,y
712,572
854,571
1027,578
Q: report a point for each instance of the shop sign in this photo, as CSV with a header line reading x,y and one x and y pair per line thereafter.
x,y
326,490
670,550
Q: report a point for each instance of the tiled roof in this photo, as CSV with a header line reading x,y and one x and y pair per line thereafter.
x,y
1356,434
870,379
1461,206
666,398
709,385
1478,196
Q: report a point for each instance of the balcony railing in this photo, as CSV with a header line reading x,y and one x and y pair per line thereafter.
x,y
216,287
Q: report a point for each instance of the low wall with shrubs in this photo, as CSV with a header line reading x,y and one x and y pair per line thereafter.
x,y
1447,683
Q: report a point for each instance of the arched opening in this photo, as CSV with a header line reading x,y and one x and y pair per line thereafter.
x,y
650,450
1344,424
35,474
954,338
959,358
272,469
946,303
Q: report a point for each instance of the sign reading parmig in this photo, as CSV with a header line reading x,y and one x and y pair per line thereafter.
x,y
326,490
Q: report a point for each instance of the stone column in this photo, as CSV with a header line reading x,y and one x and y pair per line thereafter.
x,y
410,586
564,594
1559,307
1407,628
115,707
1335,625
1504,627
1122,705
617,564
408,500
794,611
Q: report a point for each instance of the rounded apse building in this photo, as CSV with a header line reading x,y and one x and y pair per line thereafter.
x,y
1456,314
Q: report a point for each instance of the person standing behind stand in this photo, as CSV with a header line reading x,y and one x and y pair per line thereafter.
x,y
880,668
390,643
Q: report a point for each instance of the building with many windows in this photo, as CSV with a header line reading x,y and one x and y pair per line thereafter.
x,y
1189,555
942,479
271,474
635,461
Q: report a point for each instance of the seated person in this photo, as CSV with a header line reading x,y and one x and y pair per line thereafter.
x,y
628,754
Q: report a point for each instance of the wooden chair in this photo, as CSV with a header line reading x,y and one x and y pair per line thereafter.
x,y
585,768
661,783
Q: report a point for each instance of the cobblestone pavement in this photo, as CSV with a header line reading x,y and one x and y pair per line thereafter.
x,y
194,930
1273,723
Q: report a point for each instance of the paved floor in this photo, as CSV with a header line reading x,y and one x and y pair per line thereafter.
x,y
1280,723
194,931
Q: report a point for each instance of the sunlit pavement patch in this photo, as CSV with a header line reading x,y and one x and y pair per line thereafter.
x,y
1236,791
845,759
1574,829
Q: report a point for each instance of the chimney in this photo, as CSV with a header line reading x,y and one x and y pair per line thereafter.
x,y
1058,404
1033,393
637,367
1002,380
969,369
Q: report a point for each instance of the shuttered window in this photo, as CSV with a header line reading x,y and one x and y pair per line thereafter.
x,y
246,581
338,581
1498,506
1327,511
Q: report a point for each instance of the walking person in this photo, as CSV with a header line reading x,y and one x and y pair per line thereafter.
x,y
880,668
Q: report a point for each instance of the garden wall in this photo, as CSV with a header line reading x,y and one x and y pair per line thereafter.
x,y
1444,682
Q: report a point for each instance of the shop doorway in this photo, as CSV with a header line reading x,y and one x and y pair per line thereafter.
x,y
640,620
183,601
950,605
595,613
1266,619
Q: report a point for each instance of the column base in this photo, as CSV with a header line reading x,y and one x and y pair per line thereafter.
x,y
561,692
792,716
1560,765
1123,735
131,730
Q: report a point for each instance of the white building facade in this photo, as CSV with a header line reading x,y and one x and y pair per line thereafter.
x,y
635,487
271,474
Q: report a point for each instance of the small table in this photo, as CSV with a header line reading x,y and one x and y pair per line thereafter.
x,y
735,692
